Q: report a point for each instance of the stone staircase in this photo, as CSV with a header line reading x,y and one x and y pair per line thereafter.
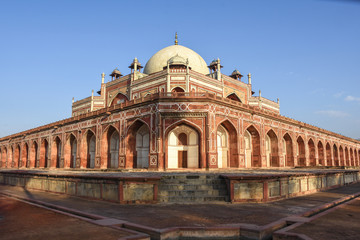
x,y
192,188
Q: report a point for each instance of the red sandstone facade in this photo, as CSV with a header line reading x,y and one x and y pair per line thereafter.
x,y
176,118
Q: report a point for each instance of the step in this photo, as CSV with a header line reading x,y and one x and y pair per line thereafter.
x,y
193,199
199,193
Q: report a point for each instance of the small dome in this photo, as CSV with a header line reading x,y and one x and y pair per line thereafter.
x,y
159,60
177,60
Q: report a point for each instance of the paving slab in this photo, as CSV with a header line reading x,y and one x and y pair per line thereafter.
x,y
19,220
341,223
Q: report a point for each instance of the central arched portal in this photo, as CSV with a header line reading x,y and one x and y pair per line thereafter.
x,y
183,147
138,145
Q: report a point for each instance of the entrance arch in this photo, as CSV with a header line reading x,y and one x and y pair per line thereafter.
x,y
222,147
301,152
272,149
288,150
252,147
137,145
183,147
312,158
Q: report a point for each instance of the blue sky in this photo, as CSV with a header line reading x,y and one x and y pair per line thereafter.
x,y
304,52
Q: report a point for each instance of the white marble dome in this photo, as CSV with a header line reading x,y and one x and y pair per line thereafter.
x,y
159,60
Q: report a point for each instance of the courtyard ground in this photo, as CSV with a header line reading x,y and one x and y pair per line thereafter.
x,y
331,214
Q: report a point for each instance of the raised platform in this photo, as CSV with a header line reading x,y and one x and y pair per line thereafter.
x,y
182,187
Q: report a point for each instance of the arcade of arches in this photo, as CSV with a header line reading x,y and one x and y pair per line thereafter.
x,y
183,148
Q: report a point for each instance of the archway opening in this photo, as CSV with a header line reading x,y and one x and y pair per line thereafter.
x,y
288,151
56,153
321,153
252,147
328,155
347,160
312,158
25,156
183,147
113,148
233,97
88,150
336,158
301,152
4,157
33,155
137,145
17,157
178,90
70,152
352,163
342,160
44,154
272,149
227,145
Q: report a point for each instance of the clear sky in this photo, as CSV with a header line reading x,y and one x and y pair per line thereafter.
x,y
307,53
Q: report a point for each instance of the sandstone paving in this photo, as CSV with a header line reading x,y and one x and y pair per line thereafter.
x,y
174,215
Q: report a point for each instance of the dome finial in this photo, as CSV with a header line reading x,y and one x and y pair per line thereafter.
x,y
176,39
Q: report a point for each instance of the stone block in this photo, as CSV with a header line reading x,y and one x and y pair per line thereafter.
x,y
86,189
138,192
57,186
251,190
304,184
333,180
294,186
110,192
71,188
274,188
284,187
314,183
34,183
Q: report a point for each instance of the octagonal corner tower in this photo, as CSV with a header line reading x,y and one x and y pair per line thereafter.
x,y
159,60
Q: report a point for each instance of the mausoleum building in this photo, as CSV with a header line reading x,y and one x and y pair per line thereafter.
x,y
176,112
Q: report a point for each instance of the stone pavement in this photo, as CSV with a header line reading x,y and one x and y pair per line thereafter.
x,y
312,215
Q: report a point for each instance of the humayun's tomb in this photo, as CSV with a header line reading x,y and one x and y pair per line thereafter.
x,y
177,113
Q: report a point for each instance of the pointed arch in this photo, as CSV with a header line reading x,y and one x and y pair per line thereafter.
x,y
44,154
328,155
16,156
356,157
119,98
2,163
70,152
33,154
321,153
288,151
347,160
56,151
110,142
342,159
137,145
227,144
336,155
4,157
272,149
183,156
301,152
88,150
312,157
352,163
25,155
252,146
234,97
178,90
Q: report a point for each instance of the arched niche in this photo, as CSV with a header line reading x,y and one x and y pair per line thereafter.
x,y
288,150
252,147
183,147
301,151
233,97
312,153
118,99
272,149
137,145
321,153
